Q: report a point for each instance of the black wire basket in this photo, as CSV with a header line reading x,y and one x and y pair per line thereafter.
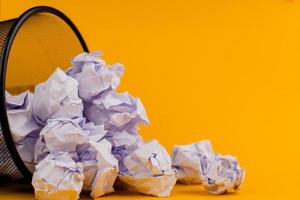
x,y
31,45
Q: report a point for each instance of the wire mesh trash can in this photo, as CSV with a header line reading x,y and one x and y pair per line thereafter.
x,y
31,46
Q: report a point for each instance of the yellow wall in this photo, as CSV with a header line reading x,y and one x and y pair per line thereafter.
x,y
223,70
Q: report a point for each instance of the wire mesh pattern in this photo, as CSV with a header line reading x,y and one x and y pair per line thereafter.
x,y
8,168
43,39
4,29
7,165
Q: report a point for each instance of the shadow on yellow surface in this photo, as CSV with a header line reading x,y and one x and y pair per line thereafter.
x,y
21,191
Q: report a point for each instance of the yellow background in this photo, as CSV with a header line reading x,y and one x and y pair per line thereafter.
x,y
223,70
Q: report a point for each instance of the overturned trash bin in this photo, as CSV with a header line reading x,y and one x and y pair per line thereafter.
x,y
31,47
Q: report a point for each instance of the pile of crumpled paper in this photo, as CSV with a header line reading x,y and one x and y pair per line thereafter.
x,y
76,132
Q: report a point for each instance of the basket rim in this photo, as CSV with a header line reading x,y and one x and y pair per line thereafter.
x,y
3,64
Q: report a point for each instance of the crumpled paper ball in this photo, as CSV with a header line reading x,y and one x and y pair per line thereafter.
x,y
57,176
186,159
57,97
149,170
93,75
60,134
221,174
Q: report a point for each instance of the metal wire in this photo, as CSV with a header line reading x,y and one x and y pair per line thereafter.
x,y
7,165
45,40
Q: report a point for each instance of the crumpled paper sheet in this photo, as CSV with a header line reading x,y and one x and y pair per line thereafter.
x,y
93,75
56,97
100,167
57,176
149,170
186,159
60,134
23,127
123,144
197,163
90,150
221,173
19,113
117,111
